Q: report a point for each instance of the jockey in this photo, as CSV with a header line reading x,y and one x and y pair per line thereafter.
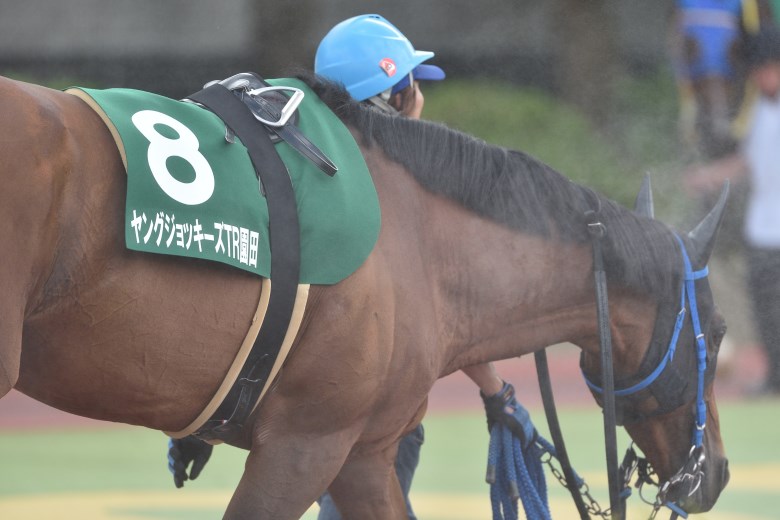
x,y
378,66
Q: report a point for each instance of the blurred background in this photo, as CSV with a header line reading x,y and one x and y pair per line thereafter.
x,y
586,86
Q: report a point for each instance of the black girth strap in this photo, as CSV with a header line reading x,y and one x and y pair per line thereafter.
x,y
232,414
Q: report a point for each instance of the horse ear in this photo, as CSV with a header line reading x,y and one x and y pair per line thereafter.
x,y
703,235
644,199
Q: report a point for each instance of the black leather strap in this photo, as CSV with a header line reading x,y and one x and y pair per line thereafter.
x,y
301,143
289,132
548,400
597,232
232,414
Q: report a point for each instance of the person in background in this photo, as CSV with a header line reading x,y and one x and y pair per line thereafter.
x,y
379,67
758,158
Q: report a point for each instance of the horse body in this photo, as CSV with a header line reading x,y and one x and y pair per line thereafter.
x,y
100,331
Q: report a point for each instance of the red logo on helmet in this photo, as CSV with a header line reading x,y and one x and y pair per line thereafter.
x,y
388,65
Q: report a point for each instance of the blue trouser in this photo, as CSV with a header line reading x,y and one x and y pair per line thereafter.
x,y
405,465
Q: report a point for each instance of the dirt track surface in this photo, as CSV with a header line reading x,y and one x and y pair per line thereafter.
x,y
739,368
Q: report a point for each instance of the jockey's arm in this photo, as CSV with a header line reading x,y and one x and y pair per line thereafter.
x,y
485,377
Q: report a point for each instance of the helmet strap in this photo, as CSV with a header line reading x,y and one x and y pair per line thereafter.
x,y
380,101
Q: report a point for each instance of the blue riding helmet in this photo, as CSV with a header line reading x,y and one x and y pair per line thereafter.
x,y
369,55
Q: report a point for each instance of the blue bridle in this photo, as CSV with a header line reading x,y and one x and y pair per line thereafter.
x,y
687,293
691,470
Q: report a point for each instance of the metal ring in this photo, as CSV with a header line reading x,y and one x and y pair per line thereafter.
x,y
289,108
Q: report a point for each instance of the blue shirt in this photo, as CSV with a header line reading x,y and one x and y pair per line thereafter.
x,y
714,26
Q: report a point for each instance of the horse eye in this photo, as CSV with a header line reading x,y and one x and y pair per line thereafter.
x,y
718,334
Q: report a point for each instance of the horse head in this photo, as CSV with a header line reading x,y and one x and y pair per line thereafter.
x,y
664,372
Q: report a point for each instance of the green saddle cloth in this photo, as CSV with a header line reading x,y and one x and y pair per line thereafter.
x,y
191,193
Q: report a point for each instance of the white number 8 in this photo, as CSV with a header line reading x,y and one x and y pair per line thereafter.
x,y
185,146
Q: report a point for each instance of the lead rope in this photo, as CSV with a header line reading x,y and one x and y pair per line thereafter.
x,y
515,463
514,472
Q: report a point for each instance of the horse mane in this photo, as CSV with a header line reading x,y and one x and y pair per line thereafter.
x,y
513,189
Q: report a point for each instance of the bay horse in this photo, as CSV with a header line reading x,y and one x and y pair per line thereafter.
x,y
483,255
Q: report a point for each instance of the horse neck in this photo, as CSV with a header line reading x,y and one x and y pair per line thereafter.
x,y
500,293
495,292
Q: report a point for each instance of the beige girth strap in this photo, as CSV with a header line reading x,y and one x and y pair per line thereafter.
x,y
295,323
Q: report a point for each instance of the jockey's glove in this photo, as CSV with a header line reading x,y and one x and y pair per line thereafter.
x,y
182,452
503,408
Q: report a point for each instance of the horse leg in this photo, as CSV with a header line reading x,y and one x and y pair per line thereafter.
x,y
10,351
18,287
284,476
367,487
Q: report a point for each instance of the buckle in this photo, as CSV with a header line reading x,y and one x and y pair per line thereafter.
x,y
287,111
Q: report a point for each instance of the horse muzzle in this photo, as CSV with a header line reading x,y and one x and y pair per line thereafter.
x,y
698,484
